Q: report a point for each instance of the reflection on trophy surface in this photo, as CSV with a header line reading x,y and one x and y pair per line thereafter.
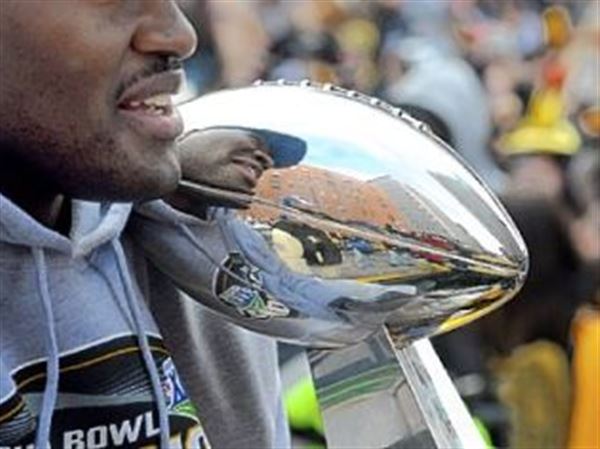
x,y
359,215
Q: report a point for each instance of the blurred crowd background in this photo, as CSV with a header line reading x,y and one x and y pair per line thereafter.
x,y
514,86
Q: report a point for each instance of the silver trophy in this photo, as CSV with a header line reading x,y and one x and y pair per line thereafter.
x,y
359,236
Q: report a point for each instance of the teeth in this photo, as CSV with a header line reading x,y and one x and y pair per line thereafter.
x,y
157,105
159,101
155,111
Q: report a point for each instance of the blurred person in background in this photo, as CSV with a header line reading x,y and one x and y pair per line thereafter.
x,y
432,21
241,41
308,48
203,68
443,89
542,150
584,227
303,55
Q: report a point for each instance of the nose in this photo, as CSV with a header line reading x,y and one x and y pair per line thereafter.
x,y
165,30
263,158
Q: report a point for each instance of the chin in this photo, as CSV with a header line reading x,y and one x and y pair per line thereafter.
x,y
137,185
157,186
157,179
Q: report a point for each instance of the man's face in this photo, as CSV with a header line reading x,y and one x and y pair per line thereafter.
x,y
85,91
227,158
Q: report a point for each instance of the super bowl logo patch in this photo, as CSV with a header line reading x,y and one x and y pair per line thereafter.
x,y
176,397
180,405
240,285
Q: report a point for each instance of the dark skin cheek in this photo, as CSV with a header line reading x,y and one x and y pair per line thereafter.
x,y
75,95
56,84
83,48
58,99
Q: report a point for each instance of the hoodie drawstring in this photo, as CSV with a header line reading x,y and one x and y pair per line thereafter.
x,y
163,417
52,365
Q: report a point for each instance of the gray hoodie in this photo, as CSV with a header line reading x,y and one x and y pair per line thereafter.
x,y
91,333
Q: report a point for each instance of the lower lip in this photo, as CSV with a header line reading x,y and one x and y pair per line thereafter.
x,y
160,127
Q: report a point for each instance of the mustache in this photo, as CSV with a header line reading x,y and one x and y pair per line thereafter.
x,y
158,66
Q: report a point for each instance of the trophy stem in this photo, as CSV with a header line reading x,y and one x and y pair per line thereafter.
x,y
373,396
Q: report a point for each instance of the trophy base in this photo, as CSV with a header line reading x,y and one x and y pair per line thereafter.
x,y
375,396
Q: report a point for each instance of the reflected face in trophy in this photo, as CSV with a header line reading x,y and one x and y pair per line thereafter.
x,y
232,159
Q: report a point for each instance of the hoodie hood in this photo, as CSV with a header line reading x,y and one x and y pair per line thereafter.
x,y
53,282
92,225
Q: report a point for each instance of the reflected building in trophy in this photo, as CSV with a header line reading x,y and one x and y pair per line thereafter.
x,y
477,206
423,214
344,237
328,193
